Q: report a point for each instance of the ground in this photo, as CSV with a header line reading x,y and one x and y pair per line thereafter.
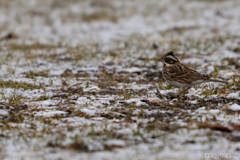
x,y
81,80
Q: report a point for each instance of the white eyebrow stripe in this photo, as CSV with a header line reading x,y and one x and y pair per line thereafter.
x,y
173,57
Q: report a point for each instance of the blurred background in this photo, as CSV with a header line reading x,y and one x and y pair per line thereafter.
x,y
79,79
111,24
131,33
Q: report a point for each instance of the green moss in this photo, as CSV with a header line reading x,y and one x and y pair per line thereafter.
x,y
31,47
32,74
99,16
42,98
17,85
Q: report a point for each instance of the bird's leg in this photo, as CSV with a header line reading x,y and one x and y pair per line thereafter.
x,y
180,91
183,90
186,89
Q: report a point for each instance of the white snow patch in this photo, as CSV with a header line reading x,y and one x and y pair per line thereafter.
x,y
167,91
88,111
193,60
214,111
3,113
233,95
49,113
126,131
48,103
193,102
235,107
137,100
92,89
133,70
115,142
201,110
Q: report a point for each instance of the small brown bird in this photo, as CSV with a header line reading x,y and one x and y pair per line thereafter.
x,y
180,75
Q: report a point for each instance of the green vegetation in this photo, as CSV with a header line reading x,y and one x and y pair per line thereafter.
x,y
17,85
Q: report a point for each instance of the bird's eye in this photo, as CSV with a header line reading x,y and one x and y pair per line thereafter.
x,y
169,60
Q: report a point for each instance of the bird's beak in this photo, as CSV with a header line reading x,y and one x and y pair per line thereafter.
x,y
160,60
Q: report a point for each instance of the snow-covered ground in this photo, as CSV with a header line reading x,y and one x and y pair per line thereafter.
x,y
81,80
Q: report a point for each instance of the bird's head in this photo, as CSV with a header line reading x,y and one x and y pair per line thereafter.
x,y
169,59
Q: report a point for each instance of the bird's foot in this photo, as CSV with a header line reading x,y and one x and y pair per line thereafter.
x,y
182,93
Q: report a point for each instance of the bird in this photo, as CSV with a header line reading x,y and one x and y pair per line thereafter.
x,y
179,75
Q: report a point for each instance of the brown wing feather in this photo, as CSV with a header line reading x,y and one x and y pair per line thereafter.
x,y
190,73
182,71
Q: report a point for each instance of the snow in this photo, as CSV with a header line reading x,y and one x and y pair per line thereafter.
x,y
167,91
133,70
233,95
235,107
201,110
214,111
137,100
112,41
88,111
193,102
48,103
92,89
126,131
3,113
49,113
115,142
193,61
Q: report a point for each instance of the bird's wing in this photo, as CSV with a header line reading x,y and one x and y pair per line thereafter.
x,y
185,72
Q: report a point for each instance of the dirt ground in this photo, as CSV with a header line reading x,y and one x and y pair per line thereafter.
x,y
81,80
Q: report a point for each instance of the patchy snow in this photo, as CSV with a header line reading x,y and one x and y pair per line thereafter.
x,y
137,100
201,110
88,111
79,79
193,102
133,70
126,131
214,111
3,113
48,103
233,95
167,91
193,61
235,107
115,142
92,89
49,113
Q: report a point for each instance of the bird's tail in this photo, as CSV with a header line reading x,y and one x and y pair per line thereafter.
x,y
213,80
